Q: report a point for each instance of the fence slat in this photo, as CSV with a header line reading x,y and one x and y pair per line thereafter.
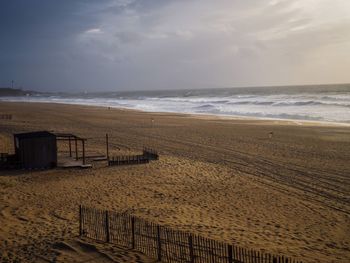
x,y
229,254
190,247
108,237
80,221
133,232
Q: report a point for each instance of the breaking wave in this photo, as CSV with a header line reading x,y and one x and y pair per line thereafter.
x,y
324,103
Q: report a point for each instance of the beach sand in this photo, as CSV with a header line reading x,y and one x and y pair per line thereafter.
x,y
221,178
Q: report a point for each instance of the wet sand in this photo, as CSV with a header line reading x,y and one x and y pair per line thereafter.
x,y
220,178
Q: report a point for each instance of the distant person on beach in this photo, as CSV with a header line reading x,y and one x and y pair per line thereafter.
x,y
270,135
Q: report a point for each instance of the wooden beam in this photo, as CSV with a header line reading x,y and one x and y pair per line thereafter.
x,y
76,149
107,149
83,143
70,148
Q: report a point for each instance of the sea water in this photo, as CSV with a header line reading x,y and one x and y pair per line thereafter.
x,y
326,103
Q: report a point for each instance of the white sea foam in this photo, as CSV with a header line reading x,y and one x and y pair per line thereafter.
x,y
330,104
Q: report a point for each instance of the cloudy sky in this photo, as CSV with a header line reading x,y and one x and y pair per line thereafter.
x,y
104,45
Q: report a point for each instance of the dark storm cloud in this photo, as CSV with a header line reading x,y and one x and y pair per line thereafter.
x,y
37,38
158,44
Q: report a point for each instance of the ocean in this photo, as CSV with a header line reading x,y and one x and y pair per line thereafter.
x,y
326,103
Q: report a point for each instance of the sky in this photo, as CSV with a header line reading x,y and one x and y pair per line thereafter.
x,y
112,45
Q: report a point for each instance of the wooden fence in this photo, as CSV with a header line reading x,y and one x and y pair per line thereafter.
x,y
147,155
6,116
164,243
128,159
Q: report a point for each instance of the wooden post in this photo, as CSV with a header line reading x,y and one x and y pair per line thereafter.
x,y
108,237
229,254
159,244
107,149
80,221
83,143
76,148
190,246
133,232
70,147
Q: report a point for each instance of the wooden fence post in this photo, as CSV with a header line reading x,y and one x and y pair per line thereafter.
x,y
229,253
108,237
159,244
83,143
107,148
76,148
70,147
190,246
133,232
80,221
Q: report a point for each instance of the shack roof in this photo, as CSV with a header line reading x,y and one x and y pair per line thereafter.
x,y
37,134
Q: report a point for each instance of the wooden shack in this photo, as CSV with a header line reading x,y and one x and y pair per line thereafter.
x,y
36,150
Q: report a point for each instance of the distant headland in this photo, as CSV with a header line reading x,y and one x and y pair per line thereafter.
x,y
4,92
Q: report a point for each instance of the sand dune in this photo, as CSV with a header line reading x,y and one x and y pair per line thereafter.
x,y
223,179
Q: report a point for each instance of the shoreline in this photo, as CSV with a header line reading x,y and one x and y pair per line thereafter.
x,y
207,116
